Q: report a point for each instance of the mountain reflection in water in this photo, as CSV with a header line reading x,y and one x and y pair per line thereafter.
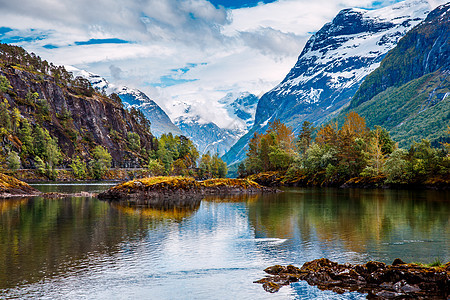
x,y
210,249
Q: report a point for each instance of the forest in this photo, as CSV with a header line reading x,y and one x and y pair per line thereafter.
x,y
331,155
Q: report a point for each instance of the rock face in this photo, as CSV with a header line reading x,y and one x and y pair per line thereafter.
x,y
79,119
11,187
160,121
380,281
332,66
153,189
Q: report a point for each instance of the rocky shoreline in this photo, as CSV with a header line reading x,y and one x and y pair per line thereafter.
x,y
378,280
280,178
148,190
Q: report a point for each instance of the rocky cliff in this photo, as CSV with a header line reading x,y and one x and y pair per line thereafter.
x,y
70,109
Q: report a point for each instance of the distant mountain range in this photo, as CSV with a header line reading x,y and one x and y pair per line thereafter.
x,y
208,136
240,107
332,66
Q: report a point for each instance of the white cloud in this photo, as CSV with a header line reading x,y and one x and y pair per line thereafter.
x,y
247,49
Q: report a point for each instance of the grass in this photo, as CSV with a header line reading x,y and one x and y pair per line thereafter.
x,y
437,263
185,182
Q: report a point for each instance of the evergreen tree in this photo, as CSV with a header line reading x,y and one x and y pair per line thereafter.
x,y
305,137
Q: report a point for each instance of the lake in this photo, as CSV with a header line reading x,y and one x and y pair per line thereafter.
x,y
83,248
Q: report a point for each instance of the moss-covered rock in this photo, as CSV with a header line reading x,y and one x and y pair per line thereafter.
x,y
12,187
145,189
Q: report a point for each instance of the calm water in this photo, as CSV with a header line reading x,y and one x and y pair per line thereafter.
x,y
81,248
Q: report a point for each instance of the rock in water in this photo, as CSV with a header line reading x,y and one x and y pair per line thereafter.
x,y
378,280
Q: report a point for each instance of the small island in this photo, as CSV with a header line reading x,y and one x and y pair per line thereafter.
x,y
378,280
145,189
11,187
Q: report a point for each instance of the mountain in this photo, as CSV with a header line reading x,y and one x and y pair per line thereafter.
x,y
332,66
410,91
160,121
43,96
241,107
205,134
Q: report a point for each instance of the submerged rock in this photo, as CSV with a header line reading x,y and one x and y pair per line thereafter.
x,y
12,187
378,280
146,189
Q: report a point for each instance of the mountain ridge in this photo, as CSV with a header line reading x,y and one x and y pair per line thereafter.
x,y
332,66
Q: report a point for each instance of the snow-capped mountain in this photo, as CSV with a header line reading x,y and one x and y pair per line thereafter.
x,y
242,106
238,108
207,135
160,121
99,83
332,66
336,59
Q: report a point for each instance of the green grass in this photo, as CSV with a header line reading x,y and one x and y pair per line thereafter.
x,y
411,112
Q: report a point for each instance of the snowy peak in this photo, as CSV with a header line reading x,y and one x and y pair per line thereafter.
x,y
336,59
242,107
99,83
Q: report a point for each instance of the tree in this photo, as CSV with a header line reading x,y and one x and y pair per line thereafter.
x,y
40,165
327,135
134,141
25,136
5,85
101,162
304,137
155,167
79,169
13,161
205,166
52,153
396,167
355,126
5,118
218,166
375,153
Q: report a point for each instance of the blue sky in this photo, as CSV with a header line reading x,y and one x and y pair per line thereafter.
x,y
176,51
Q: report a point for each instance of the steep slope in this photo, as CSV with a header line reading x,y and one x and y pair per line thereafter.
x,y
409,92
160,121
332,66
79,118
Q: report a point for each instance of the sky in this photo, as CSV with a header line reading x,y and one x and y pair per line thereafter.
x,y
192,51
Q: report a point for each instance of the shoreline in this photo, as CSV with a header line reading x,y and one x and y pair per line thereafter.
x,y
280,179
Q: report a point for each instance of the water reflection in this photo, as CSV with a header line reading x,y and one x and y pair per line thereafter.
x,y
41,237
202,248
162,210
359,220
